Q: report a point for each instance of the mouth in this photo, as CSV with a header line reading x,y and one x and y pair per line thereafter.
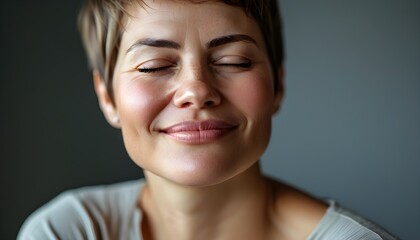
x,y
192,132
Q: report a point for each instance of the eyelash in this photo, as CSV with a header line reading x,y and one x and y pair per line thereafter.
x,y
238,65
153,70
234,65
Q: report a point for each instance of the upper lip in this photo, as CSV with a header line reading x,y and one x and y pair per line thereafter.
x,y
189,126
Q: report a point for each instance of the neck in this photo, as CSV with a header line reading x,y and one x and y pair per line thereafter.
x,y
234,209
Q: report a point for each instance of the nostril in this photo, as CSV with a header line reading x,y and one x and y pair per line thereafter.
x,y
208,103
186,104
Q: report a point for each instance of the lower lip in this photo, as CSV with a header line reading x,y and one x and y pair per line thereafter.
x,y
199,137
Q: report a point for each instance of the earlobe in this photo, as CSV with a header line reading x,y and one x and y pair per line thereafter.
x,y
279,92
105,102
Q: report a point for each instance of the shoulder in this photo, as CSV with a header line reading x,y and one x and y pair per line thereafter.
x,y
306,217
84,213
294,213
340,223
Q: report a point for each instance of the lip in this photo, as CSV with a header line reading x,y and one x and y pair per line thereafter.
x,y
199,132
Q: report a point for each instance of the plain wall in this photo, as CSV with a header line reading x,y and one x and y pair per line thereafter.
x,y
53,134
348,128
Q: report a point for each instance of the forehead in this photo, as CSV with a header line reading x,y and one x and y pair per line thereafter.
x,y
163,17
150,6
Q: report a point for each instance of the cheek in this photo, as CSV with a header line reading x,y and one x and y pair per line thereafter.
x,y
253,95
137,103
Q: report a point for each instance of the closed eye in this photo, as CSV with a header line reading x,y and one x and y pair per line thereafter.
x,y
153,70
238,65
232,62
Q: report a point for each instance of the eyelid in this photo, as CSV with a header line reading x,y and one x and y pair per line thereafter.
x,y
155,64
231,60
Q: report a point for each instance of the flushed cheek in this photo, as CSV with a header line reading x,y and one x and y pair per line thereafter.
x,y
254,98
253,95
138,105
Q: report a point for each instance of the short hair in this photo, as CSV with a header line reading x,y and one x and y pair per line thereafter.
x,y
101,24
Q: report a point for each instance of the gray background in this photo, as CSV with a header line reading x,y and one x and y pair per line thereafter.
x,y
348,129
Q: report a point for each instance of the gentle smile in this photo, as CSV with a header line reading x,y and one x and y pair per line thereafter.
x,y
199,132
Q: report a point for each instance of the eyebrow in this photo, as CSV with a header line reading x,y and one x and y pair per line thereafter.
x,y
230,39
151,42
162,43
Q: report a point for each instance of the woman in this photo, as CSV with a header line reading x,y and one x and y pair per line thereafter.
x,y
193,86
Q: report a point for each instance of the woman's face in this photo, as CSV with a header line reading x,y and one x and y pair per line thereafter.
x,y
193,89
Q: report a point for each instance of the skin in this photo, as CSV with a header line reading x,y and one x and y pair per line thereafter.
x,y
205,188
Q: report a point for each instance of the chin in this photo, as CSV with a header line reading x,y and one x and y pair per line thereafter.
x,y
200,173
200,166
207,171
199,180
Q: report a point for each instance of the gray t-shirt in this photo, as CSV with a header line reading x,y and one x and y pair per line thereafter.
x,y
111,212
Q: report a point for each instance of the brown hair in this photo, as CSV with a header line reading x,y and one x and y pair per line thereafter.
x,y
101,24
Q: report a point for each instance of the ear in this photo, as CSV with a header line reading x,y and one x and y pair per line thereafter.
x,y
279,94
105,102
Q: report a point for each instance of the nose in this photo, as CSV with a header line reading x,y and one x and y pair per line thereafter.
x,y
197,92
